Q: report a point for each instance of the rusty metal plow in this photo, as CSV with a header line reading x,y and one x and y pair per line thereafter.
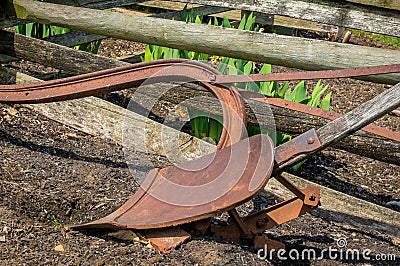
x,y
187,195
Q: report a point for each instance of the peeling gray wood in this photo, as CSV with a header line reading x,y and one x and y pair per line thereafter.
x,y
260,47
392,4
74,38
53,55
364,114
100,118
291,122
340,13
96,4
342,208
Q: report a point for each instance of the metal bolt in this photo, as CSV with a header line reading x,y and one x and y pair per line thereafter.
x,y
310,140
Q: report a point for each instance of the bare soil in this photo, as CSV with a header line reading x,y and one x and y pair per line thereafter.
x,y
53,176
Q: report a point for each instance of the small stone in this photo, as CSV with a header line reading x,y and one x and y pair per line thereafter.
x,y
59,248
2,238
318,178
353,234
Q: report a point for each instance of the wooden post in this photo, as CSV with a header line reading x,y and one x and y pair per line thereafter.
x,y
286,120
101,118
255,46
339,13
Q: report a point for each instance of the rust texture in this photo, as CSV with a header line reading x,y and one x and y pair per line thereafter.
x,y
195,191
307,142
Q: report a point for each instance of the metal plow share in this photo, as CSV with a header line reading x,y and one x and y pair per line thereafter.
x,y
189,194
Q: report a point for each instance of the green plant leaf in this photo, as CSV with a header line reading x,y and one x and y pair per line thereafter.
x,y
250,22
192,17
326,102
298,165
266,69
300,92
148,54
282,91
316,95
226,23
216,21
248,68
231,67
184,16
242,23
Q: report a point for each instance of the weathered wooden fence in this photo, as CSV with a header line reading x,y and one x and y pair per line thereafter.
x,y
375,16
262,47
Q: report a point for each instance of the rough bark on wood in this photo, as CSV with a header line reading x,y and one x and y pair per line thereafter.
x,y
74,38
255,46
362,115
96,4
342,208
53,55
100,118
393,4
286,120
340,13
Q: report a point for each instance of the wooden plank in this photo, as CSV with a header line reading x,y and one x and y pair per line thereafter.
x,y
339,13
342,208
288,121
255,46
203,10
74,38
96,4
263,19
103,119
392,4
285,120
100,118
169,5
54,55
360,116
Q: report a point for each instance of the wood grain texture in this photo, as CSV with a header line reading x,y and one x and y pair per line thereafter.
x,y
361,116
100,118
392,4
260,47
345,209
285,120
74,38
95,4
54,55
340,13
103,119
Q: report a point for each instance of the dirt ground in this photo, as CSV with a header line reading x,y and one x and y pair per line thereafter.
x,y
53,176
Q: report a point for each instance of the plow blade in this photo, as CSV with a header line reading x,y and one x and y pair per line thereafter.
x,y
196,189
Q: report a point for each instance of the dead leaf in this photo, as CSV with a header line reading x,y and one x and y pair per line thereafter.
x,y
129,235
59,248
